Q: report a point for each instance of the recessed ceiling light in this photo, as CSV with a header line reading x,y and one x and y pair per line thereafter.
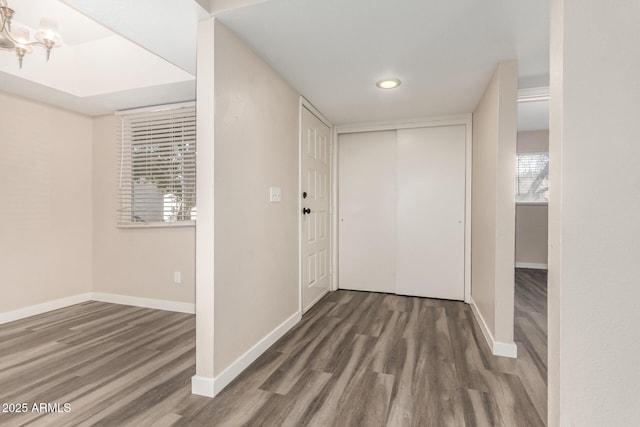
x,y
388,83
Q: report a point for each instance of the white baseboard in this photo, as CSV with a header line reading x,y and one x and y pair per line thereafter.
x,y
242,362
210,387
33,310
498,348
203,386
158,304
534,265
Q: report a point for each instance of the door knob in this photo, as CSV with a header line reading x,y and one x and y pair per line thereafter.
x,y
306,211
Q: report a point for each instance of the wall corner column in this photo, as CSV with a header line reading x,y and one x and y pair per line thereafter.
x,y
203,381
493,205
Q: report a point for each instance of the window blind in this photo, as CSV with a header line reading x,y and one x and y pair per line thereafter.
x,y
157,165
532,177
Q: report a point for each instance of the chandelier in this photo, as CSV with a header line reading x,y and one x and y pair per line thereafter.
x,y
18,38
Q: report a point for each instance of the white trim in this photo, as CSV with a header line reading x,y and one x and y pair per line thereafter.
x,y
313,110
534,265
498,348
155,108
505,349
335,210
483,325
461,119
44,307
33,310
305,104
158,304
299,196
405,124
241,363
533,94
203,386
168,224
467,208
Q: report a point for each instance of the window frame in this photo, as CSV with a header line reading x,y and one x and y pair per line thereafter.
x,y
516,177
123,147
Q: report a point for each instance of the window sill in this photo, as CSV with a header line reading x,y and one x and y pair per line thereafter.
x,y
532,203
177,224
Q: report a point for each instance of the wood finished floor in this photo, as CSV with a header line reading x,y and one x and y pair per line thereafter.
x,y
356,359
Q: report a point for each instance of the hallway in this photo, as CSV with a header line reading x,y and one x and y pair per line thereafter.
x,y
377,359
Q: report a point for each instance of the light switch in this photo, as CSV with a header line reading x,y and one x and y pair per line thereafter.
x,y
275,194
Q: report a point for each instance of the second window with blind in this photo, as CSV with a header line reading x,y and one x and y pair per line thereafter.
x,y
532,177
157,166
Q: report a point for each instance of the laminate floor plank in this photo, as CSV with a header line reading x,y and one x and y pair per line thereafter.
x,y
305,331
286,376
388,353
427,387
332,348
530,334
245,389
345,376
367,402
480,409
147,407
355,359
533,381
233,413
281,410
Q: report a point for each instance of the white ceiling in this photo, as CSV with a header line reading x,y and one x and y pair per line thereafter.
x,y
97,70
167,28
121,54
76,27
333,51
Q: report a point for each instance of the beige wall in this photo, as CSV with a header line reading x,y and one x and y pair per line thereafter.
x,y
531,236
534,141
138,262
256,242
493,202
45,220
531,221
594,231
58,175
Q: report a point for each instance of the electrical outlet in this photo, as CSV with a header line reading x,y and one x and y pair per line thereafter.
x,y
177,277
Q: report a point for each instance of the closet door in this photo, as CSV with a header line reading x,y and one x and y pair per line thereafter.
x,y
367,211
430,212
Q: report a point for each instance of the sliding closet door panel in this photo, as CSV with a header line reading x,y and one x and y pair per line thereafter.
x,y
367,211
430,212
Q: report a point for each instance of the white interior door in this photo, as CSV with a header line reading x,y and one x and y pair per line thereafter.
x,y
367,211
430,212
315,146
402,211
